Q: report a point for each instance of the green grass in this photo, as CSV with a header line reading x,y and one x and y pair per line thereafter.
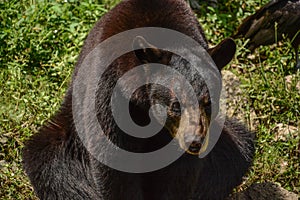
x,y
40,41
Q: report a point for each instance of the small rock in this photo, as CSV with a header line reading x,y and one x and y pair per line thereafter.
x,y
251,56
290,80
283,131
283,166
3,140
2,163
264,191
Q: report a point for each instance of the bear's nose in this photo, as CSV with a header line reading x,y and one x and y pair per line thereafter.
x,y
194,143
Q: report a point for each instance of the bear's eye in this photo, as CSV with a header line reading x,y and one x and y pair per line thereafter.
x,y
207,107
175,107
207,102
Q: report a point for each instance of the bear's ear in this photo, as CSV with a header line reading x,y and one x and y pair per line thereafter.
x,y
223,53
148,53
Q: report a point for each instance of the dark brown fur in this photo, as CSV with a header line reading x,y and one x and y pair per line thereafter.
x,y
60,167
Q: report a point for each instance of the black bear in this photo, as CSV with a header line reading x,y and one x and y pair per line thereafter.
x,y
59,164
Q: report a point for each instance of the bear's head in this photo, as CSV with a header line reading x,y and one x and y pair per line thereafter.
x,y
186,120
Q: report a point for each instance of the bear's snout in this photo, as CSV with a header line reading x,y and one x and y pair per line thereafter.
x,y
194,143
191,135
